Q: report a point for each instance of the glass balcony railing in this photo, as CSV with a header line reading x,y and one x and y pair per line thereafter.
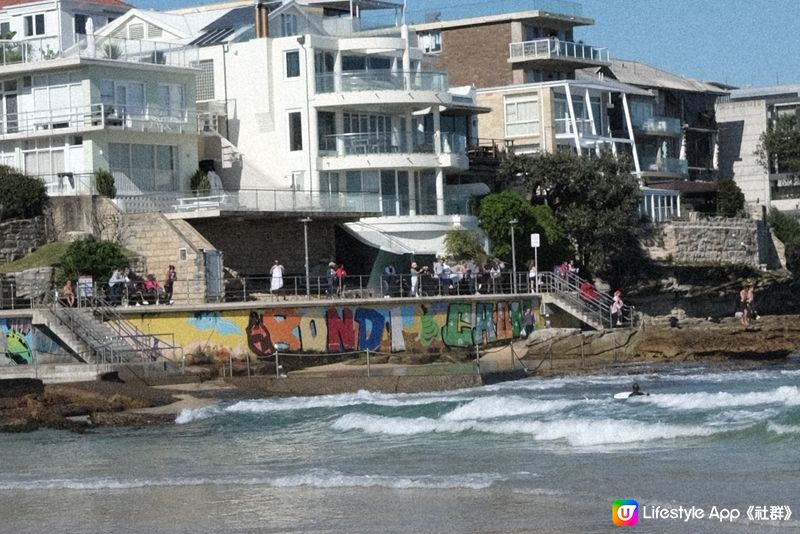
x,y
665,165
98,47
564,126
94,116
659,126
352,144
381,80
557,49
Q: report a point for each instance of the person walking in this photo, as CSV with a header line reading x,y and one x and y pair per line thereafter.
x,y
533,279
169,282
527,322
276,284
414,280
341,274
616,309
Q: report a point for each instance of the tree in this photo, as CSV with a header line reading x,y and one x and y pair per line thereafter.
x,y
463,244
498,209
199,183
778,149
20,195
594,200
104,181
90,256
730,199
787,229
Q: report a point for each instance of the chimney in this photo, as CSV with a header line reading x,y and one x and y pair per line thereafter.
x,y
262,20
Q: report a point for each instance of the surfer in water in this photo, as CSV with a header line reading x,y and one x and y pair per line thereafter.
x,y
637,390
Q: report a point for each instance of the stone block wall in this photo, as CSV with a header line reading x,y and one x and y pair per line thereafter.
x,y
716,241
20,236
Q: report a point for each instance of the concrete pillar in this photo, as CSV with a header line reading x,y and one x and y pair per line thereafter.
x,y
437,130
440,191
409,133
412,193
337,72
576,136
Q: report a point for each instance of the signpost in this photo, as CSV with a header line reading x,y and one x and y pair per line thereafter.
x,y
535,241
85,288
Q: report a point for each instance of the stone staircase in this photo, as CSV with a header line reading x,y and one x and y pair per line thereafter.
x,y
592,318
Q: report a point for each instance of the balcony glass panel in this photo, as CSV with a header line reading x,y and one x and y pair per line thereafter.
x,y
666,165
352,144
660,125
556,48
381,80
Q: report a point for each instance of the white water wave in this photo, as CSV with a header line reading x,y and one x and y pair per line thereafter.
x,y
741,416
577,432
496,407
780,429
316,478
786,395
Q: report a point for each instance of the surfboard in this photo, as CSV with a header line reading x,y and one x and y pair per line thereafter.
x,y
622,395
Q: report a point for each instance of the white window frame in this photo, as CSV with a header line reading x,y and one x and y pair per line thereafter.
x,y
286,74
288,24
515,101
31,25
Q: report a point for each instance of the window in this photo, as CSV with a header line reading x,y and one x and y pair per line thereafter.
x,y
288,24
5,29
295,131
292,63
522,115
126,98
34,25
80,24
430,42
138,168
172,101
205,80
43,157
326,127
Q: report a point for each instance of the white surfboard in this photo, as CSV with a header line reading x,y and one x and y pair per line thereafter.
x,y
622,395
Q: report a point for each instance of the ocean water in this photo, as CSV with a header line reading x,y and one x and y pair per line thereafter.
x,y
529,456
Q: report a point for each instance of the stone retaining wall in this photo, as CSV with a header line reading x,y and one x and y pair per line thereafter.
x,y
20,236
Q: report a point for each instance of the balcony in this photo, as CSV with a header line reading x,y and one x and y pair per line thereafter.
x,y
661,126
96,117
557,52
381,80
365,150
664,165
359,203
98,47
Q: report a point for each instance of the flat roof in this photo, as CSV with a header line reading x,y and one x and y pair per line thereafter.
x,y
505,17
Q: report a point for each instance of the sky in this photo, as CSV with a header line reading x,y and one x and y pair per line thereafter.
x,y
743,43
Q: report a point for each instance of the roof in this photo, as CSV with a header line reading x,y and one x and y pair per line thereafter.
x,y
222,28
763,92
588,83
503,17
119,3
643,75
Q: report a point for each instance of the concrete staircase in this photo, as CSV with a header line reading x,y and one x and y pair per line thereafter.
x,y
592,318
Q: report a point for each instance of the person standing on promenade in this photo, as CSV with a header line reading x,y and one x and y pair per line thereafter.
x,y
276,284
533,279
616,309
340,276
68,293
169,282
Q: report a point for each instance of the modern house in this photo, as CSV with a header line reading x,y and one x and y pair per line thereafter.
x,y
743,118
674,127
73,102
314,109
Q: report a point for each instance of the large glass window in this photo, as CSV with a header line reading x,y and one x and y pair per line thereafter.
x,y
123,98
522,115
172,101
292,63
34,25
43,157
80,24
288,24
142,168
326,126
295,131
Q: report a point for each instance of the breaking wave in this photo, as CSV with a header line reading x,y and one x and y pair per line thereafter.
x,y
786,395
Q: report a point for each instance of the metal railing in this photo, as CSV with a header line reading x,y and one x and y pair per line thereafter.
x,y
29,50
134,51
95,116
392,143
659,126
555,48
381,80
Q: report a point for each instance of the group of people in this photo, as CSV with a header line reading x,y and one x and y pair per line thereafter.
x,y
134,289
746,306
445,276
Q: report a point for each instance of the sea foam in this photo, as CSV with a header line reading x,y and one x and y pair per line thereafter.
x,y
786,395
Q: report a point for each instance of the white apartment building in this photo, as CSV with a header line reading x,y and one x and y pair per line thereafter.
x,y
305,110
74,102
742,118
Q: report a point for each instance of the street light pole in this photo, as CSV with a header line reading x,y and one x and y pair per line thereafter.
x,y
305,222
512,222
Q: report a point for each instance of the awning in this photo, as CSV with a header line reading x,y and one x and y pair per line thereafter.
x,y
374,237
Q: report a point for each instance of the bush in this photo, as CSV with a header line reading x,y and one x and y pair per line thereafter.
x,y
730,199
787,229
20,195
199,183
104,181
463,244
90,256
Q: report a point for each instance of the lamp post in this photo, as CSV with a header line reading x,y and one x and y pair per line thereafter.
x,y
305,222
512,222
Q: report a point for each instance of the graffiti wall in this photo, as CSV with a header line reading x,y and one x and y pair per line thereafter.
x,y
418,327
22,342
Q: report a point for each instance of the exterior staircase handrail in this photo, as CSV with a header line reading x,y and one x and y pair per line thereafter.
x,y
147,345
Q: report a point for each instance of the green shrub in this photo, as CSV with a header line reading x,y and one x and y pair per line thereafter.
x,y
730,199
90,256
104,181
20,195
199,183
463,244
787,229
